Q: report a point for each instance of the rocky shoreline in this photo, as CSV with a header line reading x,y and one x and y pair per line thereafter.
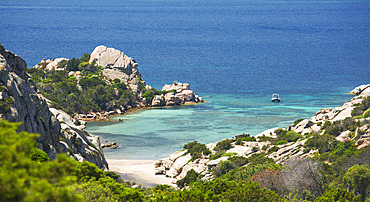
x,y
179,163
118,66
22,100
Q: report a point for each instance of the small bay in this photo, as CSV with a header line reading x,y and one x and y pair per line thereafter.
x,y
235,54
156,133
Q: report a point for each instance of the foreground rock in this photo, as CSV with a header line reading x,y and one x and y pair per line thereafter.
x,y
22,103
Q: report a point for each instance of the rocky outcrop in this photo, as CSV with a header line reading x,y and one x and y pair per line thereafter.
x,y
58,133
77,143
117,65
49,65
28,107
114,65
177,94
361,90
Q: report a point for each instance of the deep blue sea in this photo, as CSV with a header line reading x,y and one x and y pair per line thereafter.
x,y
234,53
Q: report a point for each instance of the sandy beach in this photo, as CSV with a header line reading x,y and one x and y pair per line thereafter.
x,y
142,172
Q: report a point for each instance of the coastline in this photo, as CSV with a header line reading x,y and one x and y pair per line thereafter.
x,y
132,110
140,172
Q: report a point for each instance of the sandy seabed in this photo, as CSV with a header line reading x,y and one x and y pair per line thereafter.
x,y
142,172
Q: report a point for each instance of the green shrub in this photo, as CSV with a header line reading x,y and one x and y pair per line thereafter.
x,y
224,167
255,149
196,150
239,141
72,64
91,82
217,155
38,155
297,122
273,149
281,142
223,145
85,57
366,113
5,105
191,176
338,194
229,154
238,160
289,136
323,143
264,147
361,108
249,139
149,95
116,80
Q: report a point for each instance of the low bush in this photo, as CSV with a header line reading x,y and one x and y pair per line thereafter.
x,y
191,176
217,155
273,149
238,160
223,145
196,149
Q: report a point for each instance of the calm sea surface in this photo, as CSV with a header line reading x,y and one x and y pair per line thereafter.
x,y
233,53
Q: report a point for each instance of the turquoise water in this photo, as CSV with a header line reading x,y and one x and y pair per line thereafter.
x,y
156,133
234,53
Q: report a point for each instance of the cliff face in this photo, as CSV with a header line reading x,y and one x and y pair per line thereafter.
x,y
20,102
28,107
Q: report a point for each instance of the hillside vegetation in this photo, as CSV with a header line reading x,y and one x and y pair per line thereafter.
x,y
338,171
76,86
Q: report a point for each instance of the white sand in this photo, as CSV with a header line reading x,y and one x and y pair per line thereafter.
x,y
141,172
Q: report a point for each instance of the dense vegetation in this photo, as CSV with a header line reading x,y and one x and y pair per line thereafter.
x,y
27,175
338,172
93,92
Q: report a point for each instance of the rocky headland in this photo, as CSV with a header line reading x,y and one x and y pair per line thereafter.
x,y
116,67
28,99
346,122
21,101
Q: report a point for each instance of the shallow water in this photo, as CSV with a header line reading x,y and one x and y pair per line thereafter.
x,y
156,133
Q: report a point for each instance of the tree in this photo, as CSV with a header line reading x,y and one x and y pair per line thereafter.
x,y
191,176
270,179
338,194
223,145
357,178
224,167
304,174
24,179
196,149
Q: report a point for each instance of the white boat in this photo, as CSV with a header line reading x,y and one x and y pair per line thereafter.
x,y
275,97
